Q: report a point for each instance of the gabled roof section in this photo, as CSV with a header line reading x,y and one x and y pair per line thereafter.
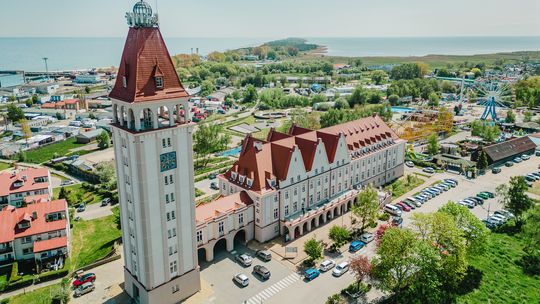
x,y
307,148
274,135
509,148
145,57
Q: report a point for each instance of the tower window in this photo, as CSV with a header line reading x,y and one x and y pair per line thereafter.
x,y
159,82
124,81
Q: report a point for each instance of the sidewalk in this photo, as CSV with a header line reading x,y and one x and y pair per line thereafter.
x,y
30,288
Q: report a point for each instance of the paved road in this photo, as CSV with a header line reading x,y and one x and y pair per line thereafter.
x,y
94,211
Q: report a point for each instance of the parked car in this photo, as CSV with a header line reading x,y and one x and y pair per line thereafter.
x,y
505,213
397,221
213,185
489,194
409,204
367,237
393,210
409,164
244,259
508,164
81,208
311,273
499,216
495,220
537,153
429,170
517,160
241,279
525,157
412,201
85,278
105,202
67,182
264,255
356,245
261,271
403,206
496,170
340,269
327,265
212,176
84,289
483,195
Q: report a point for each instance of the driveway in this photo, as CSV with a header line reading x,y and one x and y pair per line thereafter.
x,y
94,211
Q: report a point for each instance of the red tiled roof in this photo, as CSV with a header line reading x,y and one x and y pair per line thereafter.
x,y
261,160
7,179
146,56
221,206
57,242
48,105
71,101
10,217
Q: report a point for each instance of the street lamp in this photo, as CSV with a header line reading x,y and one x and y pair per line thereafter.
x,y
46,67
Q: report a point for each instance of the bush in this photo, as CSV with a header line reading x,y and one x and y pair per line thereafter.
x,y
335,299
20,284
51,275
14,277
384,217
355,289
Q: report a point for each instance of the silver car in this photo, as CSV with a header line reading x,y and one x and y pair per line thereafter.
x,y
367,237
244,259
241,279
327,265
84,289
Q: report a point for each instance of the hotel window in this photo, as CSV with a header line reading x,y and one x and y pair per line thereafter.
x,y
173,216
295,191
199,236
173,267
170,250
169,233
303,188
124,81
275,198
163,142
172,197
174,232
166,198
221,228
168,216
286,210
159,82
318,195
168,141
286,194
166,180
275,213
241,218
27,251
295,206
171,180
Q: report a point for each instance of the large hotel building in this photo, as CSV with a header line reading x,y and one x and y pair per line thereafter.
x,y
285,185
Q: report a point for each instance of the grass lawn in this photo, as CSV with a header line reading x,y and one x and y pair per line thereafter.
x,y
503,280
535,189
76,191
41,295
48,152
93,240
61,177
198,192
403,185
4,166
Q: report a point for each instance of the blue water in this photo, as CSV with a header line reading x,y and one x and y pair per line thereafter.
x,y
231,152
82,53
401,110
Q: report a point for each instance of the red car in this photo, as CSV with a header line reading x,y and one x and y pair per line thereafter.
x,y
404,206
85,278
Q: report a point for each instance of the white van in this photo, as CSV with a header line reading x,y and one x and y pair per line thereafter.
x,y
393,210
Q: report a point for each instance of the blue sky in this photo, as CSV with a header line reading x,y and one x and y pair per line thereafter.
x,y
276,18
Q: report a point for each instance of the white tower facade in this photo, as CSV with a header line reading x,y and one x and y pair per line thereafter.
x,y
152,135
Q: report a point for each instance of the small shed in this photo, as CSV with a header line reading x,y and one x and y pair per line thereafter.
x,y
87,137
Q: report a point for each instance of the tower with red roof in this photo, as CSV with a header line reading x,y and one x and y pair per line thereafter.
x,y
152,132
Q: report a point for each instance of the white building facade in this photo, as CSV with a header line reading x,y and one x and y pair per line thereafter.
x,y
154,163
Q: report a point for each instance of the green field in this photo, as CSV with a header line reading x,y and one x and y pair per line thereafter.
x,y
93,240
51,151
4,166
402,186
77,194
502,278
38,296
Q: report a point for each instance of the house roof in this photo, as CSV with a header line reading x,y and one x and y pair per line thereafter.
x,y
145,56
91,134
222,206
509,148
8,178
263,160
54,243
11,216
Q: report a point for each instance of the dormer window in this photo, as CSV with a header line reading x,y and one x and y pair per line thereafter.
x,y
124,81
233,175
249,182
159,82
241,179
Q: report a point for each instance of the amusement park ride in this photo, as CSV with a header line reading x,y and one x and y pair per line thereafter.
x,y
490,93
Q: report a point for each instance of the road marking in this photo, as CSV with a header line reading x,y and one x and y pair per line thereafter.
x,y
274,288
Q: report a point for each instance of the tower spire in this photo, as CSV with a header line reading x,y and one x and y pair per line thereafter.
x,y
142,16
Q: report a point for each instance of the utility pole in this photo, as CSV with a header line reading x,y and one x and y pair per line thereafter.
x,y
46,68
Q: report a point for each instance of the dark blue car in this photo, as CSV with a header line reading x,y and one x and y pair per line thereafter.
x,y
311,273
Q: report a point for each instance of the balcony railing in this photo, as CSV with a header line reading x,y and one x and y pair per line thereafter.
x,y
6,249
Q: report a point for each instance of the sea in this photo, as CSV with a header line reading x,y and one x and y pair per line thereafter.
x,y
83,53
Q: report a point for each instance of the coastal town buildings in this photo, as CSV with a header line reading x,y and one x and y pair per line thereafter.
x,y
18,187
39,231
285,185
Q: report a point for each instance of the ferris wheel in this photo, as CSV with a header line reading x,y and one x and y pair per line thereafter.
x,y
492,94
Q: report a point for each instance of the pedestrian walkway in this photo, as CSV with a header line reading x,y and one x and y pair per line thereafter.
x,y
274,289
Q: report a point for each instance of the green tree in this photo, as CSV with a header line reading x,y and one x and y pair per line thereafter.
x,y
14,113
208,139
103,140
63,194
313,249
367,208
341,103
433,144
318,98
482,162
378,76
358,97
527,116
510,116
106,173
531,232
406,71
87,90
250,94
207,88
433,100
339,235
515,198
393,99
